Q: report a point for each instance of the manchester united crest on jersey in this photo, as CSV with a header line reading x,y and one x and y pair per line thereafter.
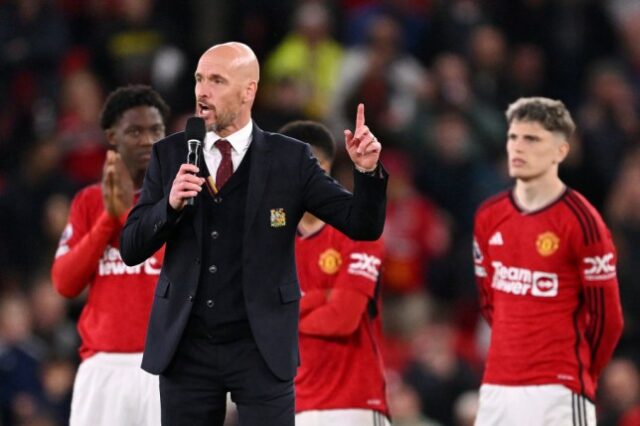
x,y
547,243
330,261
278,218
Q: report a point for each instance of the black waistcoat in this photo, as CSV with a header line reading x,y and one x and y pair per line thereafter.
x,y
219,303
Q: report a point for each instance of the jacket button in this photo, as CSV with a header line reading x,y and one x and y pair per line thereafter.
x,y
197,260
217,200
215,235
190,298
210,303
213,269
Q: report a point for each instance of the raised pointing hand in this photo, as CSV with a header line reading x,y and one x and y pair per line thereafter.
x,y
363,147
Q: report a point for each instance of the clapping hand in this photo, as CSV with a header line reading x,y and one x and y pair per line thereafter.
x,y
117,185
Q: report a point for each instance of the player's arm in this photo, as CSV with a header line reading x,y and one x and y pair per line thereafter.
x,y
347,301
605,323
80,250
339,316
602,298
78,255
482,271
311,300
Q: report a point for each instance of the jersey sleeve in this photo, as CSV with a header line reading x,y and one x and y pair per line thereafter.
x,y
311,300
597,261
81,245
354,286
482,268
363,260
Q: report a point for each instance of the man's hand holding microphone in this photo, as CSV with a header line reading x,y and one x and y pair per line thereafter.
x,y
187,185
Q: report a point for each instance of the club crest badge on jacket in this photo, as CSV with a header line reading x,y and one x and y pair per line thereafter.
x,y
278,218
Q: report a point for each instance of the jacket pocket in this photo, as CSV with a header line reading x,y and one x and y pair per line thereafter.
x,y
162,288
289,293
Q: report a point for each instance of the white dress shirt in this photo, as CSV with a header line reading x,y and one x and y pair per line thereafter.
x,y
239,141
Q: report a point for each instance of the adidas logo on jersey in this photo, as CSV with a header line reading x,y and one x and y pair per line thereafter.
x,y
496,239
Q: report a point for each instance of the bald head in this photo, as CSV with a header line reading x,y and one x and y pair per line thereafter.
x,y
226,85
240,58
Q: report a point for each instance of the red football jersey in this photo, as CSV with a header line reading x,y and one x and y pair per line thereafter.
x,y
548,287
116,313
341,372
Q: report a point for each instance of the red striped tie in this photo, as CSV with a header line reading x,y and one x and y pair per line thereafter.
x,y
225,169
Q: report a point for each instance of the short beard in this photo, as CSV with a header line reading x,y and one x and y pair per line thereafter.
x,y
223,121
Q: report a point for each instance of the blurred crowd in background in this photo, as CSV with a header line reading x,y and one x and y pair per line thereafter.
x,y
435,77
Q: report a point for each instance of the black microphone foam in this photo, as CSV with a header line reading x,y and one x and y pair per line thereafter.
x,y
195,129
195,132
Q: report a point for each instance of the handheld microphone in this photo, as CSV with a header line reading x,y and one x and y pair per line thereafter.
x,y
195,132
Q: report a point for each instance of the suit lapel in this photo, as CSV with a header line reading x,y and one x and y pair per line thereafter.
x,y
260,164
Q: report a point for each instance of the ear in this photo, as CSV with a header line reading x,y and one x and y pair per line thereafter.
x,y
325,165
250,92
111,137
563,151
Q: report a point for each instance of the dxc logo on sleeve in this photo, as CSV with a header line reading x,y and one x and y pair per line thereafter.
x,y
364,265
599,268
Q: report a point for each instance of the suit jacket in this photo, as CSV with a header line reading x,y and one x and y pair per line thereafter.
x,y
285,181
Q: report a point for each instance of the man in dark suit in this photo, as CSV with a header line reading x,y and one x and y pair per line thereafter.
x,y
225,312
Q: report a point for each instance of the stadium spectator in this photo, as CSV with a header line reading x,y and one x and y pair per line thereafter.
x,y
21,357
619,395
82,141
437,372
404,403
623,213
381,75
309,58
610,126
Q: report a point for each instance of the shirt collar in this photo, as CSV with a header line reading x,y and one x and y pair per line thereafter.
x,y
239,140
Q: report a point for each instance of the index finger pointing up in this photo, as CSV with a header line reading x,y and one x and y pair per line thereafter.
x,y
360,116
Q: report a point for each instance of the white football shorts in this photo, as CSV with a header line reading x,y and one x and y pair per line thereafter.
x,y
111,389
542,405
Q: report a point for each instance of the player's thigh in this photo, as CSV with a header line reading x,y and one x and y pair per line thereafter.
x,y
348,417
